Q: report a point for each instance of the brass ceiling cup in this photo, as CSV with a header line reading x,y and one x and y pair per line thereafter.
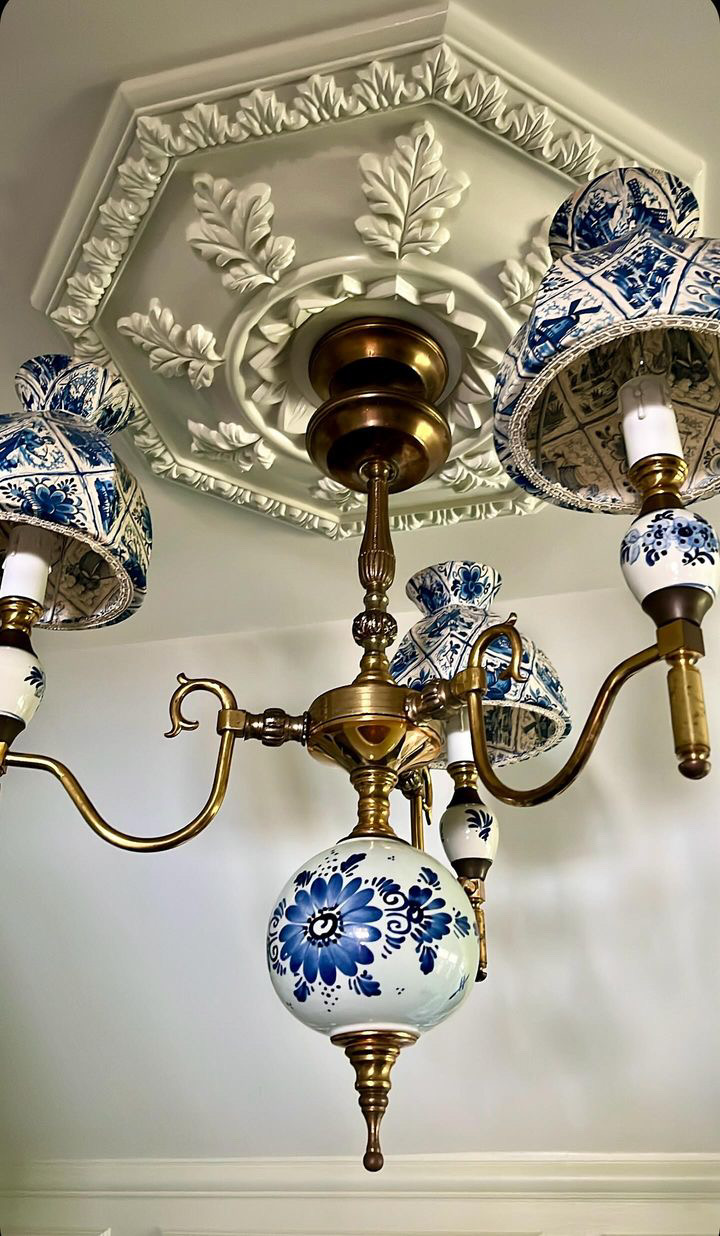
x,y
379,379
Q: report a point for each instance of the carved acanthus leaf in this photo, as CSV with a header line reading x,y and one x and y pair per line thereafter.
x,y
172,350
231,442
408,193
261,113
481,96
321,98
341,497
576,154
528,126
202,126
380,86
477,466
521,278
437,72
235,232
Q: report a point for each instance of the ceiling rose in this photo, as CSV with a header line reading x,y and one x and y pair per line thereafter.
x,y
241,227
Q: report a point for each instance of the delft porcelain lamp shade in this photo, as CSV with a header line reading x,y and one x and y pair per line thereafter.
x,y
75,532
521,718
619,363
631,289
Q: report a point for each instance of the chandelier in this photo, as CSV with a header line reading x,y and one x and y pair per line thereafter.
x,y
606,400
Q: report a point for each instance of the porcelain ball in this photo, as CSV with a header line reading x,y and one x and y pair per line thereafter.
x,y
372,933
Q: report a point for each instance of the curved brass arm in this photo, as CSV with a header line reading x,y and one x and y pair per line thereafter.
x,y
585,743
125,841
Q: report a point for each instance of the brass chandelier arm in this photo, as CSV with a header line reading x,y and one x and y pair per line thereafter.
x,y
126,841
272,728
583,748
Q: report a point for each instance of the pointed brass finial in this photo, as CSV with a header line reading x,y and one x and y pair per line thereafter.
x,y
372,1053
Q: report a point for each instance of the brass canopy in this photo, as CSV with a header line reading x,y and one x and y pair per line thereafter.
x,y
379,380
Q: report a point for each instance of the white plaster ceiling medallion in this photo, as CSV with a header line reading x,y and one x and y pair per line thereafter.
x,y
240,228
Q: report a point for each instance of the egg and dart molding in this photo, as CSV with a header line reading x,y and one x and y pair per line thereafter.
x,y
606,400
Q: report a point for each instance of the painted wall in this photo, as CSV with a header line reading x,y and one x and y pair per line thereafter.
x,y
139,1021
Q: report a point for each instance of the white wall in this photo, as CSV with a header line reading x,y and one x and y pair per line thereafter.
x,y
138,1021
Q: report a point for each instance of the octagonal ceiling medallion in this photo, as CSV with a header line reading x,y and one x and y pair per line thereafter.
x,y
238,230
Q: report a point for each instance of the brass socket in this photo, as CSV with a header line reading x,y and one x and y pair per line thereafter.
x,y
659,479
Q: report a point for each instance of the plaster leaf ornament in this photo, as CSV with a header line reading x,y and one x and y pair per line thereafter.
x,y
104,254
481,97
172,350
436,74
139,178
320,98
576,154
89,347
235,232
332,491
408,193
521,277
262,113
380,86
120,216
202,127
231,442
530,127
156,140
477,466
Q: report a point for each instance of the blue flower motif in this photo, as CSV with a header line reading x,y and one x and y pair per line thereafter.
x,y
36,678
470,583
428,923
667,530
328,928
480,820
45,500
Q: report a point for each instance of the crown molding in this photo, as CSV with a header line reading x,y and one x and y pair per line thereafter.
x,y
622,1177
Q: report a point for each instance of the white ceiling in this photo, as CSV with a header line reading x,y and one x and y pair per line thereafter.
x,y
85,49
136,1011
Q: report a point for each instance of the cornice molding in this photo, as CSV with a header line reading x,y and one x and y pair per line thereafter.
x,y
621,1177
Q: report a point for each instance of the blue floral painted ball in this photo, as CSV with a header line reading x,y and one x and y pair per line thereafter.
x,y
372,933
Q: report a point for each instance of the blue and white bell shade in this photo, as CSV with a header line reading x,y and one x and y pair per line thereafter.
x,y
372,934
632,290
58,472
669,547
521,718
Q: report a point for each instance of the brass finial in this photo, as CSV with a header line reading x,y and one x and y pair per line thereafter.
x,y
372,1053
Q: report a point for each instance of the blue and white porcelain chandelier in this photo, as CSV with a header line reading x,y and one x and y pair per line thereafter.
x,y
606,400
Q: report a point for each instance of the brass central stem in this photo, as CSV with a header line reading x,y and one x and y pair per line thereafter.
x,y
373,786
375,629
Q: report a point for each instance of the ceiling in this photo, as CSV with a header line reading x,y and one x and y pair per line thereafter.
x,y
148,955
81,50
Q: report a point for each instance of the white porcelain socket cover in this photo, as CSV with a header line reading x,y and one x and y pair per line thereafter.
x,y
469,830
22,683
670,547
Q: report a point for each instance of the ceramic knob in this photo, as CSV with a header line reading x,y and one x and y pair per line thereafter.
x,y
22,683
670,547
469,830
372,933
